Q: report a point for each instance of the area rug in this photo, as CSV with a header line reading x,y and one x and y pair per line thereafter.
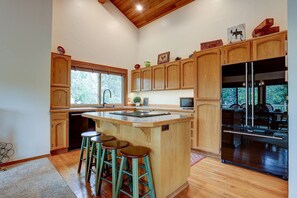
x,y
195,158
37,178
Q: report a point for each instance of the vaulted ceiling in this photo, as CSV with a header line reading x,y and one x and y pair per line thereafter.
x,y
151,9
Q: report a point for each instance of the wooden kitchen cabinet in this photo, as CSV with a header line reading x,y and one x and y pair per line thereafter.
x,y
208,126
158,80
146,79
135,80
60,70
59,131
208,74
187,73
172,75
60,98
236,53
270,46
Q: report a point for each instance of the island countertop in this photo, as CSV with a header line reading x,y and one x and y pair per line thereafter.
x,y
136,121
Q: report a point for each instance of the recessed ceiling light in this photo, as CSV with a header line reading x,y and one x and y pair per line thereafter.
x,y
139,7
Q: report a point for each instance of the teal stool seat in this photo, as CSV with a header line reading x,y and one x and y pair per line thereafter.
x,y
96,151
135,153
110,147
85,145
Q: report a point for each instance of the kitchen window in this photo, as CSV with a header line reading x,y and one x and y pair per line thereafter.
x,y
87,88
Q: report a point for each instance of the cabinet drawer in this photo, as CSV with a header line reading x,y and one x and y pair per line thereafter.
x,y
59,116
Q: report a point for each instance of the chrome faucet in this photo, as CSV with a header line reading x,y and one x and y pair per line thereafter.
x,y
104,96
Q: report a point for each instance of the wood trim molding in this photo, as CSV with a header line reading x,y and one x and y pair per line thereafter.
x,y
24,160
99,67
102,1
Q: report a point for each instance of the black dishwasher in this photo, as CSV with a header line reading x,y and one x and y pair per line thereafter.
x,y
78,125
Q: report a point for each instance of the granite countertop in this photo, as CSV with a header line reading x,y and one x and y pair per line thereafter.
x,y
117,108
146,122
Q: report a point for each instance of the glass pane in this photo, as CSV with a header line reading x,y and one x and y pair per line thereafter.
x,y
84,87
276,96
228,97
115,84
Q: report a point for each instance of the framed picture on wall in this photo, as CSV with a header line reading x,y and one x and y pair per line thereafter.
x,y
164,58
236,33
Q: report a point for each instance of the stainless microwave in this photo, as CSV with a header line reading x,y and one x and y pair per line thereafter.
x,y
186,102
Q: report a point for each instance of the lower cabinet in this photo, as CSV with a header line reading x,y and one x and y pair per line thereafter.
x,y
59,131
207,127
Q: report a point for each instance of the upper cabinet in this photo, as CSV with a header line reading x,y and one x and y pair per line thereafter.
x,y
158,81
208,74
60,98
172,75
187,73
236,53
135,80
60,70
146,79
270,46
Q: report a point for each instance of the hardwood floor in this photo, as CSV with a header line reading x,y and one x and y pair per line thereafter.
x,y
209,178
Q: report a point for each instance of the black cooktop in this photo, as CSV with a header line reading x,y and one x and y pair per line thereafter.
x,y
140,114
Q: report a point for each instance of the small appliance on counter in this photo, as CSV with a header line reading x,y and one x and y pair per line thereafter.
x,y
186,103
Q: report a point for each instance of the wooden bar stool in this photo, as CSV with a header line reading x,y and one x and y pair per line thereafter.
x,y
96,151
112,147
85,144
135,153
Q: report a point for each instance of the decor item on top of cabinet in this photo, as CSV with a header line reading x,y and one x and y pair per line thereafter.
x,y
61,50
236,33
137,66
163,58
211,44
265,28
191,55
137,101
147,63
178,58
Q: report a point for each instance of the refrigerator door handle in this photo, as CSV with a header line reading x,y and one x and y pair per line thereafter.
x,y
252,135
246,94
253,96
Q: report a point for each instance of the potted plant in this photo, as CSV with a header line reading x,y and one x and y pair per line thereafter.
x,y
137,101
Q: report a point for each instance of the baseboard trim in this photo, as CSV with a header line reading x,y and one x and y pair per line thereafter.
x,y
59,151
23,160
205,153
177,191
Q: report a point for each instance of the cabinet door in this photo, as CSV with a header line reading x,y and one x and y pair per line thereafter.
x,y
146,79
172,75
187,73
208,122
270,46
59,130
135,80
60,98
158,77
208,75
236,53
60,70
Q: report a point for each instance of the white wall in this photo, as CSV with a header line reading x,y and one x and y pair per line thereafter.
x,y
96,33
182,31
292,18
25,45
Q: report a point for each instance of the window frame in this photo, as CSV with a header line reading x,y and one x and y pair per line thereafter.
x,y
102,69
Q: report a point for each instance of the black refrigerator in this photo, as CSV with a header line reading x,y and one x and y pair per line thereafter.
x,y
255,116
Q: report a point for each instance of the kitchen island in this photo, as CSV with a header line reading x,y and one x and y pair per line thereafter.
x,y
168,137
